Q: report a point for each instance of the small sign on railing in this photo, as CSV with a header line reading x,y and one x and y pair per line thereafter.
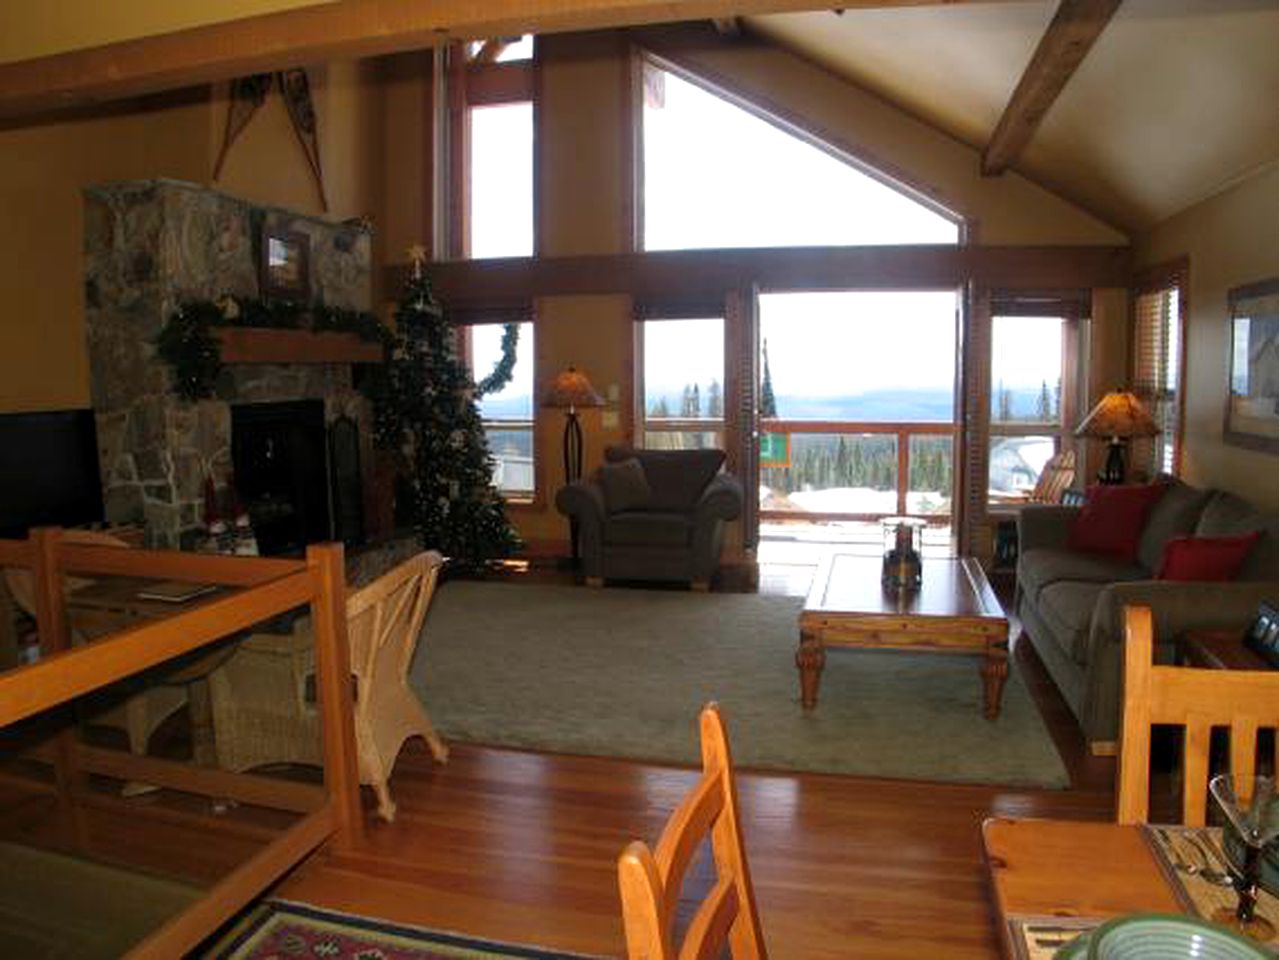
x,y
774,450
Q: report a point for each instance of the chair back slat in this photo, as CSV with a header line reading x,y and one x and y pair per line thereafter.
x,y
688,826
651,884
1240,701
712,922
391,608
1194,764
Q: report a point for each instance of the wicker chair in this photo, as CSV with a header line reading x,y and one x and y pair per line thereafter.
x,y
264,708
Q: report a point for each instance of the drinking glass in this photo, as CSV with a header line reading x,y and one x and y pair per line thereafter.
x,y
1257,826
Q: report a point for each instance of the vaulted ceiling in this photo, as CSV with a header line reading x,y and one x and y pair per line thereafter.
x,y
1175,101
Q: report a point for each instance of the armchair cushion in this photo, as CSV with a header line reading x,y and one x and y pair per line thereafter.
x,y
649,528
676,477
625,486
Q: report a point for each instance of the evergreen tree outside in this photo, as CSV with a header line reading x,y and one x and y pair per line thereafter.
x,y
1005,403
714,401
425,405
1045,403
767,402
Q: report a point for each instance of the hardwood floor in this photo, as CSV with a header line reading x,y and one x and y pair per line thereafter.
x,y
522,847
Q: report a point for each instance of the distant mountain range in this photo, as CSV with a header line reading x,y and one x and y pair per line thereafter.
x,y
928,406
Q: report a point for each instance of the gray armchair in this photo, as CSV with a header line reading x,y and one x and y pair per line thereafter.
x,y
653,515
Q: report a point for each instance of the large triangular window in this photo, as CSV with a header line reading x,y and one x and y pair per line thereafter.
x,y
718,175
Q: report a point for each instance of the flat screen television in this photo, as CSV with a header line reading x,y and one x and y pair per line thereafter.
x,y
48,470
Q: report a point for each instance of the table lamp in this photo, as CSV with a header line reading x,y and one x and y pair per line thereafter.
x,y
1117,417
569,390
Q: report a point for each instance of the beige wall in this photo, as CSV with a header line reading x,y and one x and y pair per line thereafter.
x,y
43,362
1231,239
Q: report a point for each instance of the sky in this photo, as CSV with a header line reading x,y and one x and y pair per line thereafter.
x,y
718,176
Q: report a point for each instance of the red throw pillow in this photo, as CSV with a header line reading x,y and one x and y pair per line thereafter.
x,y
1204,558
1112,519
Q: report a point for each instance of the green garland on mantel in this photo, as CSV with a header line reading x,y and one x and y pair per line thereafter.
x,y
188,345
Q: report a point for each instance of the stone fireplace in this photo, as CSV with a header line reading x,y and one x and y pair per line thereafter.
x,y
149,246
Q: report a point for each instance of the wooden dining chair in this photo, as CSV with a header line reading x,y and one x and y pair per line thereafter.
x,y
1198,700
651,881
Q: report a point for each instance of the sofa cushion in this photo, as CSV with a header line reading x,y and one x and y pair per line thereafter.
x,y
1205,558
1112,519
625,486
1067,607
676,477
1173,515
1037,569
648,528
1226,515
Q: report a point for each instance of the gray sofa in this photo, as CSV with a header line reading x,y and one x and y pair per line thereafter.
x,y
653,515
1071,603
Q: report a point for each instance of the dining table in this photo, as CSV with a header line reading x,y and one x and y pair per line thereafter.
x,y
1053,879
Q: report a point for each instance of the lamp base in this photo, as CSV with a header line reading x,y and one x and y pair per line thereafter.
x,y
1112,473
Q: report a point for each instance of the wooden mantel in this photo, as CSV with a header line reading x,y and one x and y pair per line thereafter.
x,y
259,345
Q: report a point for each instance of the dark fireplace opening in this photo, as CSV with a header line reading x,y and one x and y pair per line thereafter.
x,y
280,457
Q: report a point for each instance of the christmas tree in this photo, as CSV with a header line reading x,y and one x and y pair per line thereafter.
x,y
426,406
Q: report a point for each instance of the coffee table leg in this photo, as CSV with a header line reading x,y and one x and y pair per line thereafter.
x,y
994,671
810,658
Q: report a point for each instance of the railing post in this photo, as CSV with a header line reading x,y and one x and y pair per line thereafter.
x,y
51,622
333,690
46,587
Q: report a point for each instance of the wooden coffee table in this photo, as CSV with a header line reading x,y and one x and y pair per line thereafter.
x,y
953,611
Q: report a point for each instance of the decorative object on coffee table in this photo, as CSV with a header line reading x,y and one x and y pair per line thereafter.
x,y
1251,831
569,390
953,611
903,543
1118,417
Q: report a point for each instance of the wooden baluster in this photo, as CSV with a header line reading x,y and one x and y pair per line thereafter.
x,y
333,690
51,621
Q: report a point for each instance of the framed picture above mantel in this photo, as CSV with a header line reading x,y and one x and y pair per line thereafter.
x,y
1252,403
285,270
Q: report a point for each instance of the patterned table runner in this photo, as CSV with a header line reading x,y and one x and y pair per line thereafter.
x,y
1182,853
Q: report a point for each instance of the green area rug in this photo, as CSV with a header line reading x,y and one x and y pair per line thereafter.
x,y
60,907
278,929
623,672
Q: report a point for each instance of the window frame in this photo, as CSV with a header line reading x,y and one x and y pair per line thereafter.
x,y
1072,309
645,314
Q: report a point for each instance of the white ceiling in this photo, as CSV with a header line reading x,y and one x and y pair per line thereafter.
x,y
1177,100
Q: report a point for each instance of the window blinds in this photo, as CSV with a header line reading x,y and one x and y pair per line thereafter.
x,y
1156,369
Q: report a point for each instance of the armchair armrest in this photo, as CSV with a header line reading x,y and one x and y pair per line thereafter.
x,y
1176,606
722,499
1043,525
583,501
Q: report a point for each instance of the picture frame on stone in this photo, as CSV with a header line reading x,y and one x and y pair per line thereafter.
x,y
285,268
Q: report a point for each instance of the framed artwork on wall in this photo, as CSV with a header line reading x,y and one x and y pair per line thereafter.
x,y
285,270
1252,402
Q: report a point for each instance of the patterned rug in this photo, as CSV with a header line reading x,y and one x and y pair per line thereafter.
x,y
280,930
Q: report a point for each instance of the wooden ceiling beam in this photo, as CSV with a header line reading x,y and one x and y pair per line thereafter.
x,y
1071,34
706,274
341,30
